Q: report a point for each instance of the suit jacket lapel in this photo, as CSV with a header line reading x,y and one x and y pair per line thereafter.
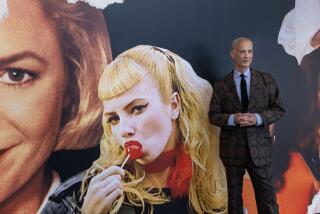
x,y
253,89
232,87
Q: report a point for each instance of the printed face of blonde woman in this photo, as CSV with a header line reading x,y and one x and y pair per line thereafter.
x,y
141,115
32,83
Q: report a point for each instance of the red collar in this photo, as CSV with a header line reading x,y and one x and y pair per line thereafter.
x,y
165,160
180,173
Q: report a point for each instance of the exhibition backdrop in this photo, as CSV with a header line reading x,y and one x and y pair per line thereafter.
x,y
201,32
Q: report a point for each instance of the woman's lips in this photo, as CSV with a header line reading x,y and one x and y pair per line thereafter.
x,y
134,149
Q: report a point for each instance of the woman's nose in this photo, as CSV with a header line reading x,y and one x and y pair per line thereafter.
x,y
127,129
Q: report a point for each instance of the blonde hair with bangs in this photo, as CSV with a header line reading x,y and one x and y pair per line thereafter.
x,y
207,191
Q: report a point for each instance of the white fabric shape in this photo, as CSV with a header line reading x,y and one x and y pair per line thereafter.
x,y
3,9
100,4
298,27
315,205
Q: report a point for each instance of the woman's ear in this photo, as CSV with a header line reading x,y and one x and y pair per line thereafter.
x,y
175,106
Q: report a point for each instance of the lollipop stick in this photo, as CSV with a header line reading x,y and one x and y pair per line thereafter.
x,y
125,161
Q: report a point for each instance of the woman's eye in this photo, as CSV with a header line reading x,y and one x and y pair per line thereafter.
x,y
113,120
15,76
138,109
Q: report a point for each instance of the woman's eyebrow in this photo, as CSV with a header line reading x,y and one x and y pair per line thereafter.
x,y
22,55
126,107
132,103
107,114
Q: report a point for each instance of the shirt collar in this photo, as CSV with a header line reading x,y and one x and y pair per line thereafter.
x,y
247,73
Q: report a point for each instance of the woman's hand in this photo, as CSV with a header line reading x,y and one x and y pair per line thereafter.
x,y
103,190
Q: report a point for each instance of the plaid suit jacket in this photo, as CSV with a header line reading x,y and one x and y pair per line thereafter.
x,y
263,99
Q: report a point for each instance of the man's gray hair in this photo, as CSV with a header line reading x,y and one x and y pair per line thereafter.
x,y
236,41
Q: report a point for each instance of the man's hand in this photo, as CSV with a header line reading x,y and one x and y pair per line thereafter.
x,y
245,119
238,118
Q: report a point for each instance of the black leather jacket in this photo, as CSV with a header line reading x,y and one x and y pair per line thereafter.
x,y
66,197
66,200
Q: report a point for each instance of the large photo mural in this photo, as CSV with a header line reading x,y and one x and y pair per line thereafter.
x,y
54,124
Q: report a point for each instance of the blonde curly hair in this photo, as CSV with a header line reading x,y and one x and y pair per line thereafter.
x,y
207,191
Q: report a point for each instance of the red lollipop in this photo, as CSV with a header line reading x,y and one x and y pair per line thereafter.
x,y
134,151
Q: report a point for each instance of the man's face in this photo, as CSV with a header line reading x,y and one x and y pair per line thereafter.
x,y
242,55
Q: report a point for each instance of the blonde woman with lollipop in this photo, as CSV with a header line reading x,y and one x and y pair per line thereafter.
x,y
155,112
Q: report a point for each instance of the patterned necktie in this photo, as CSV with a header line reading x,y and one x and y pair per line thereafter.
x,y
244,94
